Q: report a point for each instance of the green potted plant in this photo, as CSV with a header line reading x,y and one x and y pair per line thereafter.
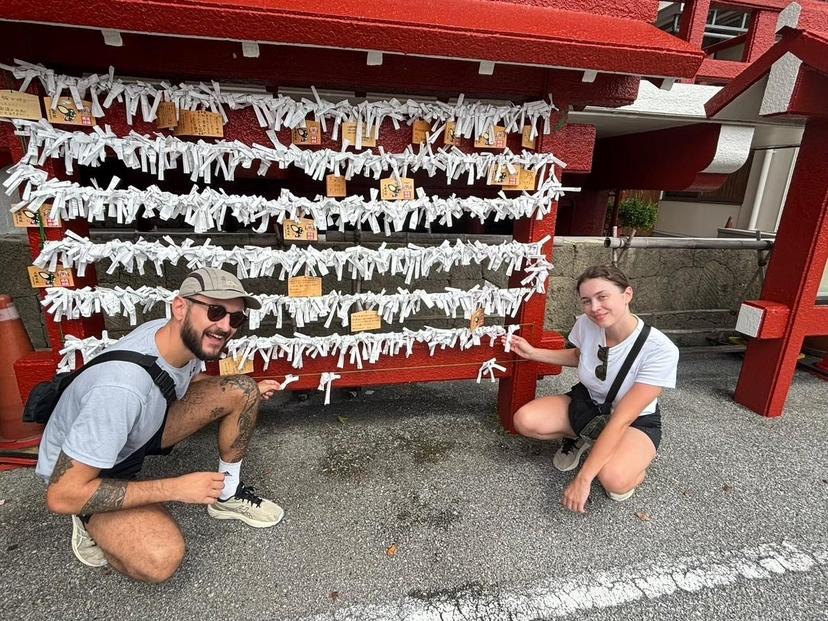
x,y
637,215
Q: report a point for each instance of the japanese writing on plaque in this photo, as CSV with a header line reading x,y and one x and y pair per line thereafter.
x,y
304,287
199,123
17,105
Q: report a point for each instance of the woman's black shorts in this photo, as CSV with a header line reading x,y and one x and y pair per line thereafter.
x,y
650,424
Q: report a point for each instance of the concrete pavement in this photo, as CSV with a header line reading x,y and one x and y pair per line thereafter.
x,y
737,509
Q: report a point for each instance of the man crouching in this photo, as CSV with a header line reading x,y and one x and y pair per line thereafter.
x,y
113,415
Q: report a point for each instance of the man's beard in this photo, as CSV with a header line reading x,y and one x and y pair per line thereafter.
x,y
192,341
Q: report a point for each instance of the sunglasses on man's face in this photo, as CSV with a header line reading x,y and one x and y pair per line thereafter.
x,y
216,312
601,369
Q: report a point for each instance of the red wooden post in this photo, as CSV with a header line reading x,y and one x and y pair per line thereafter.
x,y
692,21
761,35
519,388
799,257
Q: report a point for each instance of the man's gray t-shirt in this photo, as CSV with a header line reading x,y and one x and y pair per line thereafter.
x,y
112,409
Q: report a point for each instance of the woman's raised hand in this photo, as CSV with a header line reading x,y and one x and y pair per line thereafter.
x,y
520,346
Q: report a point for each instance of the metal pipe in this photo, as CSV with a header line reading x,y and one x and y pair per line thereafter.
x,y
698,243
760,189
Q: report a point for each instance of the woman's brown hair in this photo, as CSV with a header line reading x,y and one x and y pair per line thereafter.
x,y
607,272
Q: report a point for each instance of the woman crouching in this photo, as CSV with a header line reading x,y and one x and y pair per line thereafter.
x,y
623,365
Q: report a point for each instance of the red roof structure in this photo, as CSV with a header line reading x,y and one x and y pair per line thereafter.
x,y
502,32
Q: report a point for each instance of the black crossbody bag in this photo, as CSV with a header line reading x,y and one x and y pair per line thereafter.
x,y
582,407
45,396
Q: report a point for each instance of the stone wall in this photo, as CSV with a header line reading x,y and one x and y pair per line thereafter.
x,y
690,293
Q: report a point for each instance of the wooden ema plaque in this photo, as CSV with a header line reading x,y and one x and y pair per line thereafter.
x,y
303,229
420,132
67,113
449,137
526,181
526,141
24,219
365,320
304,287
17,105
495,138
500,175
310,134
165,115
200,123
335,186
41,278
229,366
477,320
349,135
391,190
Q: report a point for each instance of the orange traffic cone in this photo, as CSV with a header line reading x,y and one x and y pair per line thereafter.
x,y
14,344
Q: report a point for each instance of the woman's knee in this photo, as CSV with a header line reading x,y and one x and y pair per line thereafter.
x,y
617,479
527,420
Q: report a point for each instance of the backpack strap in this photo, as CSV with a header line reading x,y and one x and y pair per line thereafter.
x,y
628,362
149,363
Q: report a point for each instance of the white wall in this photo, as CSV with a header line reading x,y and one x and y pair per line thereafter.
x,y
694,219
771,204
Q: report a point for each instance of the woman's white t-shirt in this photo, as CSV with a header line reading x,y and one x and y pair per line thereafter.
x,y
655,365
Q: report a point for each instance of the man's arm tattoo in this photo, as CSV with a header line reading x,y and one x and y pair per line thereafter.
x,y
63,463
108,497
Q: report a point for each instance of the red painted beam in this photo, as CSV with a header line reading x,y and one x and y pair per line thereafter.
x,y
816,321
809,95
445,365
148,56
657,163
472,29
717,71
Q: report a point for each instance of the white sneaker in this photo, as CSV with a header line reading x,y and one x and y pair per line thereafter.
x,y
569,454
621,497
84,547
246,506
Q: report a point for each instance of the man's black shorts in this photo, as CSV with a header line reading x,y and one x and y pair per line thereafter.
x,y
650,424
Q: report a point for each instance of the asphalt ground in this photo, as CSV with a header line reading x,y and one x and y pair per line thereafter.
x,y
410,502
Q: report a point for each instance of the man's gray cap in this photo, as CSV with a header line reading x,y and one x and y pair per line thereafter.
x,y
214,283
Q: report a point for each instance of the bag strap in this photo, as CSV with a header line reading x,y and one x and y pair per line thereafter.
x,y
628,362
149,363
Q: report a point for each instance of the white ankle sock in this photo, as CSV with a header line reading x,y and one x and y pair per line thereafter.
x,y
231,478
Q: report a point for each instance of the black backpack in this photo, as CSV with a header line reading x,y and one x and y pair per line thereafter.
x,y
45,396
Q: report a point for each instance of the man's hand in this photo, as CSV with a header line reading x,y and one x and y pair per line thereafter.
x,y
576,494
268,388
200,488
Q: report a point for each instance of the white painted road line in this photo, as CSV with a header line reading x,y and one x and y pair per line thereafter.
x,y
558,597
